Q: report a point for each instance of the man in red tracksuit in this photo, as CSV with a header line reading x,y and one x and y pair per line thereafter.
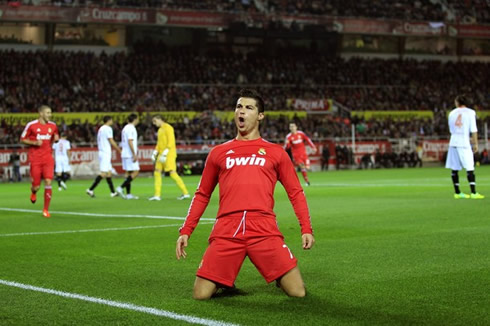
x,y
39,135
247,169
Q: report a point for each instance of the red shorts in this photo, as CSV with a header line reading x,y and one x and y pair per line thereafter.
x,y
301,158
41,170
224,256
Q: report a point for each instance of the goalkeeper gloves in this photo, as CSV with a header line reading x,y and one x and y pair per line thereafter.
x,y
154,156
163,157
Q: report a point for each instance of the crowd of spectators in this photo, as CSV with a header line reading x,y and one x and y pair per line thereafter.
x,y
154,78
399,9
207,128
426,10
471,11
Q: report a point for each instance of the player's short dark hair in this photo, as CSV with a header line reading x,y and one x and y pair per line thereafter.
x,y
132,117
157,116
251,93
462,100
106,118
42,108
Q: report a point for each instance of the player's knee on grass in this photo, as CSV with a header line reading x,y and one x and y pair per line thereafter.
x,y
203,289
292,283
297,290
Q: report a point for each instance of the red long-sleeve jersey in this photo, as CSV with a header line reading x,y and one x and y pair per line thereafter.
x,y
36,130
247,172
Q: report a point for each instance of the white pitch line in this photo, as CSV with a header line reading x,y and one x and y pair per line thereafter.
x,y
101,215
93,230
122,305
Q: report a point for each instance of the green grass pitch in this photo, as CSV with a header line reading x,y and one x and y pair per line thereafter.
x,y
392,247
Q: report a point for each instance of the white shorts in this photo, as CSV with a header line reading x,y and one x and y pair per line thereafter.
x,y
129,165
105,163
62,165
460,157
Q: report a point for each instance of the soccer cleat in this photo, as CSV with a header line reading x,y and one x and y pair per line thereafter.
x,y
63,184
307,184
461,196
33,198
476,196
59,188
114,194
90,193
154,198
130,196
46,213
184,197
120,192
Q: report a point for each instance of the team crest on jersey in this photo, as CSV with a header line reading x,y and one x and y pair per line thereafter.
x,y
49,130
38,130
262,151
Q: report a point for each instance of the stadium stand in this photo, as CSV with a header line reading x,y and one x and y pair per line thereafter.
x,y
421,10
181,80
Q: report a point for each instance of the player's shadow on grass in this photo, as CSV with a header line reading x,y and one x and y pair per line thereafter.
x,y
228,292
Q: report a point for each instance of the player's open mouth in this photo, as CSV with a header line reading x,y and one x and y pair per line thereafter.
x,y
241,122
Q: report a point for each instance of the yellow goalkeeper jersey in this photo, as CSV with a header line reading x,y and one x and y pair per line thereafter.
x,y
166,139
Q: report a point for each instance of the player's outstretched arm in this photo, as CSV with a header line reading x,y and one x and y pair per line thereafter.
x,y
181,245
308,240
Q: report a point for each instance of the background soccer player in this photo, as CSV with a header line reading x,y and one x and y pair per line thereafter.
x,y
39,135
462,122
165,157
62,160
129,155
247,169
105,139
295,141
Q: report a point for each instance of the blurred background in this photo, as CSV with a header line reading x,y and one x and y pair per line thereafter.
x,y
370,82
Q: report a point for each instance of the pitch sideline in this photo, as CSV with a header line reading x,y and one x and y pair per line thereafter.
x,y
93,230
122,305
101,214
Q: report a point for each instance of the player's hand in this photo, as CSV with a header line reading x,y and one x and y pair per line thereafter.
x,y
154,156
163,157
181,245
475,148
308,240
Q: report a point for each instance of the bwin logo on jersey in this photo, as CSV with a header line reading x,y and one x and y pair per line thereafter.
x,y
43,137
251,160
